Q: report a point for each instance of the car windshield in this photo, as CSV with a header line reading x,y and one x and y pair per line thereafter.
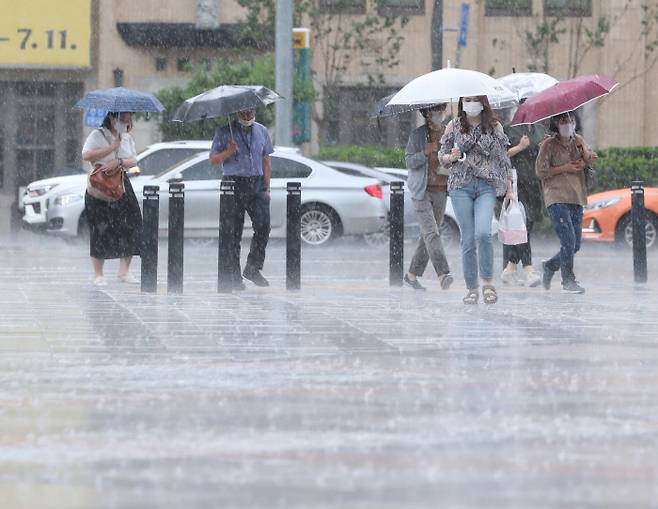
x,y
179,163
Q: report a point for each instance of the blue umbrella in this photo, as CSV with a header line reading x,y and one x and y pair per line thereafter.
x,y
120,99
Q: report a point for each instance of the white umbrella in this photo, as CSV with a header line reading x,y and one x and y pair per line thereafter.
x,y
527,84
448,85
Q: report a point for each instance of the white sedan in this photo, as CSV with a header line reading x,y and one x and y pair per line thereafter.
x,y
333,204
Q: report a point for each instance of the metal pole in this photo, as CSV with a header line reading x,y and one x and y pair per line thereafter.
x,y
226,249
293,236
284,71
437,35
176,237
639,221
396,218
151,206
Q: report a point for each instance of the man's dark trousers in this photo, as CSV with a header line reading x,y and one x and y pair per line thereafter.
x,y
250,196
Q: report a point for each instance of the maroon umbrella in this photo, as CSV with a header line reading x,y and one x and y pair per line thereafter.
x,y
562,97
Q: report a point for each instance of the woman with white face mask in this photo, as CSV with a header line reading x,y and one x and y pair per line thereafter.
x,y
474,147
114,226
561,167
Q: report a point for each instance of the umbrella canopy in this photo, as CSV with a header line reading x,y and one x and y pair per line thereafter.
x,y
565,96
120,99
382,109
224,100
527,84
448,85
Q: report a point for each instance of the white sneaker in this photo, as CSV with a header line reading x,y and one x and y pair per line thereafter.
x,y
99,281
508,275
532,279
128,278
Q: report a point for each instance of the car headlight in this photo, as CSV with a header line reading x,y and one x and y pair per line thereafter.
x,y
65,200
34,192
601,204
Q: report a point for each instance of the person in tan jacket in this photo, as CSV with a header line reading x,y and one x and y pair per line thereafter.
x,y
560,166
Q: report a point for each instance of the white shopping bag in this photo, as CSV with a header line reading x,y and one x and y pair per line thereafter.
x,y
512,223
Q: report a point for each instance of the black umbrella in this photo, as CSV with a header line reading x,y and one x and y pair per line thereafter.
x,y
382,110
224,100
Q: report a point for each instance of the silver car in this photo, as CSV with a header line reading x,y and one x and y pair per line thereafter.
x,y
69,190
333,204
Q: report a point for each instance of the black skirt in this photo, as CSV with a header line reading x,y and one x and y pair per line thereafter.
x,y
115,228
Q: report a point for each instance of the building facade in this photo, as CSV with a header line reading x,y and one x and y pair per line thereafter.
x,y
52,53
502,37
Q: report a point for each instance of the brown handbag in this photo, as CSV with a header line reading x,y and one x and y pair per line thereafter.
x,y
106,185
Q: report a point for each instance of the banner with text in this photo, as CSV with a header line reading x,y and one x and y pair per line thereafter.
x,y
44,33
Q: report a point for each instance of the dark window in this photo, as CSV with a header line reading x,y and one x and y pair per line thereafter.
x,y
36,125
118,77
400,7
508,8
348,109
283,168
159,161
160,64
36,89
34,164
183,64
203,170
567,7
343,6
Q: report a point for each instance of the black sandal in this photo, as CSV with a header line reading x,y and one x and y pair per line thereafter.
x,y
471,297
489,295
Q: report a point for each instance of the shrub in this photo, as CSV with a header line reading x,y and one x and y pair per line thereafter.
x,y
369,155
618,167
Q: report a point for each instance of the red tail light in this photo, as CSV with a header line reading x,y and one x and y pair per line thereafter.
x,y
374,190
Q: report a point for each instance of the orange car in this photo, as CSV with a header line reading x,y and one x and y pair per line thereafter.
x,y
607,217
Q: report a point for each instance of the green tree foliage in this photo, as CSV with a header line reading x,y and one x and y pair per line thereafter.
x,y
618,167
344,33
364,154
252,71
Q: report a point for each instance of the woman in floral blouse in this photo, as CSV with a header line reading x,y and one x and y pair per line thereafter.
x,y
474,146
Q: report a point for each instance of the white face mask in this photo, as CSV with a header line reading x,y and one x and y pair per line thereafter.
x,y
472,109
567,130
121,127
246,123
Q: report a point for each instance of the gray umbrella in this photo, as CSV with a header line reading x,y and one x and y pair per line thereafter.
x,y
224,100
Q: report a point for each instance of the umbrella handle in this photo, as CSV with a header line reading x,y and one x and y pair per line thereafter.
x,y
230,128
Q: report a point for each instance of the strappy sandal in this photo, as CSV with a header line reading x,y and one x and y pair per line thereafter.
x,y
471,297
489,295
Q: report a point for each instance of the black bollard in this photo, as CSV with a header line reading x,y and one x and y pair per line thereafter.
x,y
396,219
226,253
149,254
293,236
639,221
176,236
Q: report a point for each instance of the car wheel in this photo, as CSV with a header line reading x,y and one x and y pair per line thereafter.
x,y
319,224
624,233
450,235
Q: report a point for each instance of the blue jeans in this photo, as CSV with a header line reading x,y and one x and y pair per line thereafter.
x,y
567,219
474,207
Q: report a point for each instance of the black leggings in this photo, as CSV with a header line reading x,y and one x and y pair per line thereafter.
x,y
519,253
